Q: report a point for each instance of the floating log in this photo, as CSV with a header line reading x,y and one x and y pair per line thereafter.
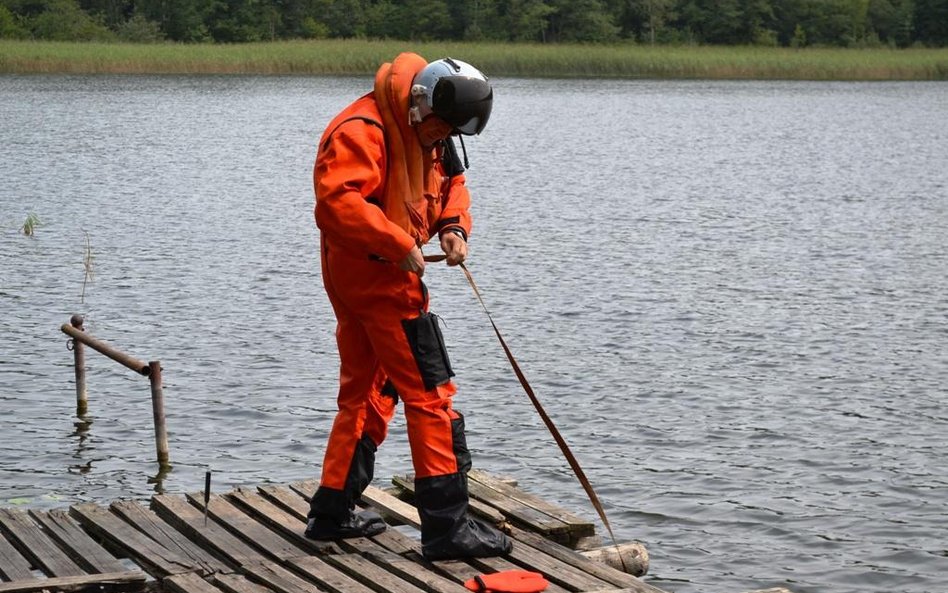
x,y
630,557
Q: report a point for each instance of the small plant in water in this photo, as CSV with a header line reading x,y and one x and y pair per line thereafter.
x,y
32,221
90,272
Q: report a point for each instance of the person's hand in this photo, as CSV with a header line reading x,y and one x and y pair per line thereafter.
x,y
414,262
455,247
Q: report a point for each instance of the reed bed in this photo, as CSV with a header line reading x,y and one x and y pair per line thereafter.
x,y
362,57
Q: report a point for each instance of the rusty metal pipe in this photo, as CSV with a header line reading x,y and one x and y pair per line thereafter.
x,y
120,357
158,409
82,394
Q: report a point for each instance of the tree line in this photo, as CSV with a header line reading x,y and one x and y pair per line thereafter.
x,y
788,23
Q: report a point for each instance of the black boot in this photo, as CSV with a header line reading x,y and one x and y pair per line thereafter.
x,y
332,512
446,530
361,524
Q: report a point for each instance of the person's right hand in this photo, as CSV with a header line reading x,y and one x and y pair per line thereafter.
x,y
414,262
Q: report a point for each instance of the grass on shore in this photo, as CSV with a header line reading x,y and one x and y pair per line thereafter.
x,y
362,57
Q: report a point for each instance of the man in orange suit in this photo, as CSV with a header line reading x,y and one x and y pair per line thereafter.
x,y
387,180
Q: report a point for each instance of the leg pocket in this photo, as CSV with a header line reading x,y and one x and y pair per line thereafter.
x,y
427,345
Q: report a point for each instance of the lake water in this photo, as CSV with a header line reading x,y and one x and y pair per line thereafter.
x,y
731,297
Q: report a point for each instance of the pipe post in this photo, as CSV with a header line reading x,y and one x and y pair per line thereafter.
x,y
158,409
82,395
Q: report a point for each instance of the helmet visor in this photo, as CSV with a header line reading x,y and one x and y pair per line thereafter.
x,y
463,102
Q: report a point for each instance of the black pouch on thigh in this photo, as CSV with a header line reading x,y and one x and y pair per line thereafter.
x,y
427,346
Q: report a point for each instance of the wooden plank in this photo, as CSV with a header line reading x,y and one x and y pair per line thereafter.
x,y
188,582
555,570
280,579
236,583
82,548
477,507
146,521
13,566
564,554
390,506
119,535
280,520
246,528
370,574
413,572
329,578
187,519
286,499
458,571
305,488
113,581
385,503
579,527
39,548
520,513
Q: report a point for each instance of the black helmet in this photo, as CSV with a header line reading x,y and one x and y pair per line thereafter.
x,y
456,92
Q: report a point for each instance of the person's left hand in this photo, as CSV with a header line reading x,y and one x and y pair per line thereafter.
x,y
455,247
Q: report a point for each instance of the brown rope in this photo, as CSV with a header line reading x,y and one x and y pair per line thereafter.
x,y
573,463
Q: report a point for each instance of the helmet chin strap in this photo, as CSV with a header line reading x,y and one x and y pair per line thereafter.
x,y
467,165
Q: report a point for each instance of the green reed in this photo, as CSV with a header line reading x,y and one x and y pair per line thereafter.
x,y
362,57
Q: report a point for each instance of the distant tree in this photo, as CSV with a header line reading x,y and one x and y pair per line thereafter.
x,y
931,22
527,20
894,20
64,20
180,20
581,20
428,19
385,20
112,12
139,29
10,27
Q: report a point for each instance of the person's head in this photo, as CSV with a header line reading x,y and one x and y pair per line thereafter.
x,y
449,97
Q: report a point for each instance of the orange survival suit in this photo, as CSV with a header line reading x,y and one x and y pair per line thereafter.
x,y
379,193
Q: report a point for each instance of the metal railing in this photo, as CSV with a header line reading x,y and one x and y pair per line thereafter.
x,y
152,370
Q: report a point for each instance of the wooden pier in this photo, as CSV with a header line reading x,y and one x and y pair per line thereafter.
x,y
252,542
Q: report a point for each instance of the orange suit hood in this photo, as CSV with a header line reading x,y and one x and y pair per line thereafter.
x,y
408,166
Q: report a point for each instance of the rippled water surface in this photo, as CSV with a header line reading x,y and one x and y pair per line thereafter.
x,y
731,297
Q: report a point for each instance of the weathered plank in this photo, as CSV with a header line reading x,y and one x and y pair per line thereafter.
x,y
235,583
146,521
286,499
39,548
615,577
305,488
189,582
76,542
13,566
520,513
113,581
280,579
458,571
329,578
555,570
244,526
412,572
370,574
155,558
477,507
390,506
280,520
190,521
579,527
